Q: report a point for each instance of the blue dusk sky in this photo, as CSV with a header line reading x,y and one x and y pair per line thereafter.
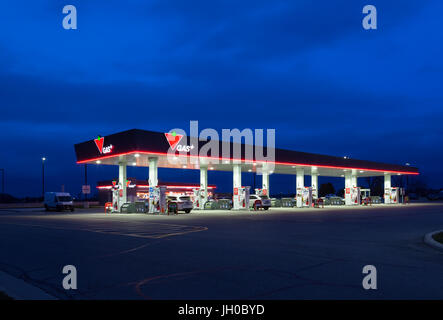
x,y
304,68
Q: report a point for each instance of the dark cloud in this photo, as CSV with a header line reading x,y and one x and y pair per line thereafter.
x,y
305,68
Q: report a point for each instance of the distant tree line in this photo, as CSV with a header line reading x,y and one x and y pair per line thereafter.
x,y
412,184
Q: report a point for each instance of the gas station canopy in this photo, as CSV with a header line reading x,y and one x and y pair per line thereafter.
x,y
135,147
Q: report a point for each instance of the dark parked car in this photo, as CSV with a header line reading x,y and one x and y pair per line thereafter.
x,y
413,196
332,199
436,196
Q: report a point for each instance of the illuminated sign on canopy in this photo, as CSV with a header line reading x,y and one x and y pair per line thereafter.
x,y
173,139
99,142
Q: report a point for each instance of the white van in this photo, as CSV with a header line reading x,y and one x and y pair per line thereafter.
x,y
58,201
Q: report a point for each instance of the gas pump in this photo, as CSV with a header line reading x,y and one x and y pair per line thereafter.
x,y
200,198
157,199
365,195
299,197
117,194
352,196
394,195
314,193
241,198
115,197
387,195
355,195
307,196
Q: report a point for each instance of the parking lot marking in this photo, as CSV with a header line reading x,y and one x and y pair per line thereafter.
x,y
150,231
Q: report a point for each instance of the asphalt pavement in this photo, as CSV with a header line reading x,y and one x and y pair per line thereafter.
x,y
279,254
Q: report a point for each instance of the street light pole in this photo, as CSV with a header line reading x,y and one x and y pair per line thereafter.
x,y
407,179
43,177
86,179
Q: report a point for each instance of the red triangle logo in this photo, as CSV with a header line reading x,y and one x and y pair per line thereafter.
x,y
99,143
173,139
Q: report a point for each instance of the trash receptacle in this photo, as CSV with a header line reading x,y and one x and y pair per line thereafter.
x,y
140,207
126,207
211,205
275,203
224,204
287,202
172,207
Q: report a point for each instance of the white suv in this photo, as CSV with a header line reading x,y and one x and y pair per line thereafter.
x,y
184,203
256,201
